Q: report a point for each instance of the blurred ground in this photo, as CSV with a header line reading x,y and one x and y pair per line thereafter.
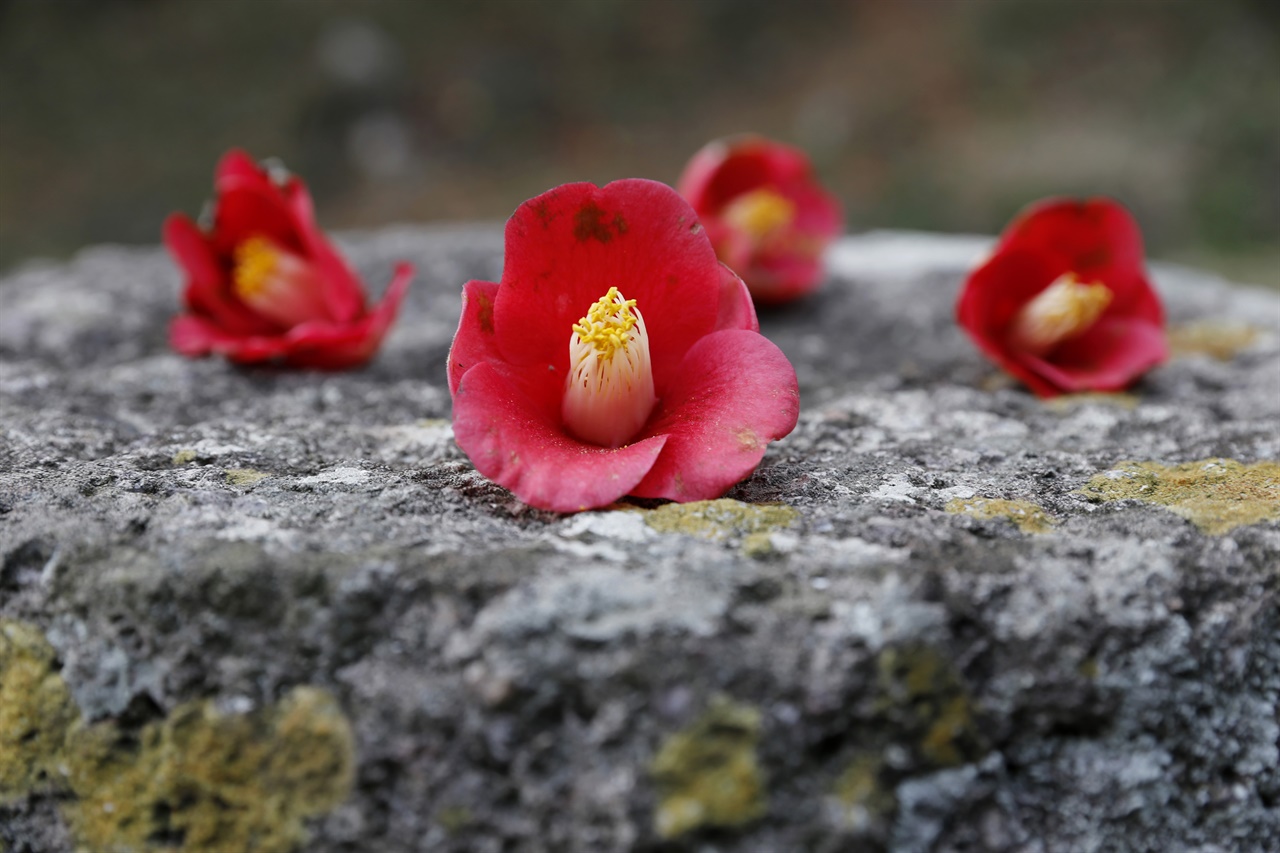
x,y
937,114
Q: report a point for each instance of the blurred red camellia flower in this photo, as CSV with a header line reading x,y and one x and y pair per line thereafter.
x,y
265,284
617,356
765,213
1063,303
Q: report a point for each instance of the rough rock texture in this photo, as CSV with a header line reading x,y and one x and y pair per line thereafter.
x,y
241,606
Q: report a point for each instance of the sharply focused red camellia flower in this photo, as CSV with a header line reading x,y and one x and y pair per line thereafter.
x,y
264,283
617,356
1063,303
765,213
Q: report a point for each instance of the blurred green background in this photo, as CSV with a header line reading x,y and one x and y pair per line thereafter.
x,y
935,114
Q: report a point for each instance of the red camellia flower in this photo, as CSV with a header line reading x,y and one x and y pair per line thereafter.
x,y
765,213
263,282
616,357
1063,303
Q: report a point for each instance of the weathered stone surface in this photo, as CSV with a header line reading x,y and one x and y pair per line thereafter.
x,y
203,569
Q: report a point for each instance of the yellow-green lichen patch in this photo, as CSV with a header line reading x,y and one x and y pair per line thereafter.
x,y
182,457
921,693
1029,517
708,774
454,819
1215,339
861,797
36,710
720,519
1216,495
757,545
1065,402
202,780
245,476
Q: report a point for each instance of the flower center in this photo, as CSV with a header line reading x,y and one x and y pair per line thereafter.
x,y
608,393
1062,310
761,213
276,283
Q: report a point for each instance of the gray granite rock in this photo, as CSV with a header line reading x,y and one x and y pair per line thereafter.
x,y
941,616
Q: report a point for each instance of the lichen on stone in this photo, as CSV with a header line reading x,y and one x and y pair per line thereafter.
x,y
720,519
860,796
245,476
708,775
198,781
1216,495
36,711
201,780
182,457
1219,340
923,695
1029,517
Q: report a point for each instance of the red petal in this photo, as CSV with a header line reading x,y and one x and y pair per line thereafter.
x,y
254,211
338,346
566,247
207,290
735,393
474,342
237,167
737,311
1095,238
511,440
343,293
725,169
997,290
319,345
1108,357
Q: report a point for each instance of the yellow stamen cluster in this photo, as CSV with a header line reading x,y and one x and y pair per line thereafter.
x,y
608,399
255,260
607,325
1062,310
760,213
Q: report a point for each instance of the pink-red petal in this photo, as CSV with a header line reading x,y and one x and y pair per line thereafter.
x,y
1105,358
737,311
1094,238
568,246
510,440
341,290
474,342
735,393
725,169
207,291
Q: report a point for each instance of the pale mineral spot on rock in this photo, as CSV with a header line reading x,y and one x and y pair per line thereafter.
x,y
1216,495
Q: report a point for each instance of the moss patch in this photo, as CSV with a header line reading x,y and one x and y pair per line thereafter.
x,y
36,711
1029,517
199,781
720,519
1222,341
245,476
1216,495
708,774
